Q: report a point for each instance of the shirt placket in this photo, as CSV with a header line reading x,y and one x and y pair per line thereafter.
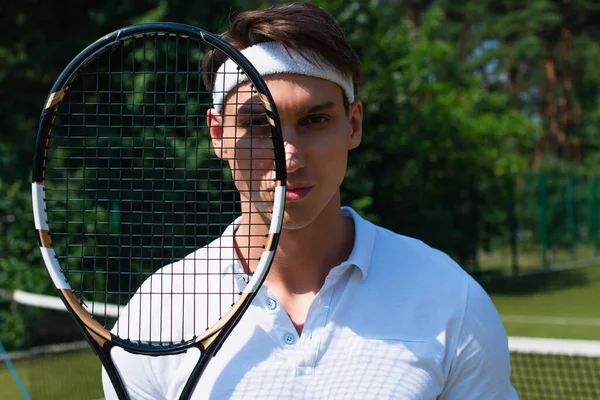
x,y
283,332
303,350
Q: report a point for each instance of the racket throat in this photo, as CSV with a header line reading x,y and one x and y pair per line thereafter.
x,y
206,342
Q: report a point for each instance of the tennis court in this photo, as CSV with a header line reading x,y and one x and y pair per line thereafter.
x,y
564,304
50,376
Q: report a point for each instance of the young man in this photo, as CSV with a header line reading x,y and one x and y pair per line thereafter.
x,y
349,310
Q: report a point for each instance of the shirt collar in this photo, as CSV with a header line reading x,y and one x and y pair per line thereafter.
x,y
362,249
364,241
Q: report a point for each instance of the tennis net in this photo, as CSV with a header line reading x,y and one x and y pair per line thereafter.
x,y
549,369
555,369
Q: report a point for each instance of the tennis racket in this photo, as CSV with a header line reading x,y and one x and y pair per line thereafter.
x,y
138,202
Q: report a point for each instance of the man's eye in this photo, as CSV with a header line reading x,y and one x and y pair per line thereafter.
x,y
315,119
255,122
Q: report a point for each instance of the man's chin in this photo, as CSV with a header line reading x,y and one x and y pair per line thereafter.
x,y
294,219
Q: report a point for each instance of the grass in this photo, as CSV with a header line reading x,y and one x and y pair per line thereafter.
x,y
565,294
70,376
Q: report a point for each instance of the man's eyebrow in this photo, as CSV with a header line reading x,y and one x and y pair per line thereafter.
x,y
250,108
255,108
319,107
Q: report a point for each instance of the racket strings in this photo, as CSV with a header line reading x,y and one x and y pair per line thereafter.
x,y
135,188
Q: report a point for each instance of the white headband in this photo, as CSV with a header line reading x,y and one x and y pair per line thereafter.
x,y
273,58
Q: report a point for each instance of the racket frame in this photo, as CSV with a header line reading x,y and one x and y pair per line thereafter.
x,y
100,338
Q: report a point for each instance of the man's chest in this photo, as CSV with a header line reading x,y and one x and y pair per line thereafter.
x,y
328,368
266,358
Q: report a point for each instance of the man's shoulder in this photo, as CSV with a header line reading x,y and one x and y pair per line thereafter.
x,y
398,254
423,288
403,260
420,277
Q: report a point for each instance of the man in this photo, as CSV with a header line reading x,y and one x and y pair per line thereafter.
x,y
349,310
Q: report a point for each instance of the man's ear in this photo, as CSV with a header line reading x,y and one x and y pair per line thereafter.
x,y
215,127
355,117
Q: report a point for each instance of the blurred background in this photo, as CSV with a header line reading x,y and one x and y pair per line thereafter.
x,y
481,138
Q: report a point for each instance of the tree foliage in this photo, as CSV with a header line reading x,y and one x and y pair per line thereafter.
x,y
460,98
438,152
37,41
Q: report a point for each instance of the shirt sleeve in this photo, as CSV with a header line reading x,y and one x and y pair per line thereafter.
x,y
481,365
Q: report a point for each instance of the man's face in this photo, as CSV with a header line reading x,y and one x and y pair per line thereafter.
x,y
317,133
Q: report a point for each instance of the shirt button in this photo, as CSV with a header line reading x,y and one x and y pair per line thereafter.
x,y
289,338
272,304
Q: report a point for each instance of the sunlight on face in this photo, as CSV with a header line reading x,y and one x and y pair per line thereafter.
x,y
317,133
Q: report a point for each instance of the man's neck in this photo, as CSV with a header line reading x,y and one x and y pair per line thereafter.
x,y
305,256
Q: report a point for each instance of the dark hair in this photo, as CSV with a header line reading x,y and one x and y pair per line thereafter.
x,y
297,26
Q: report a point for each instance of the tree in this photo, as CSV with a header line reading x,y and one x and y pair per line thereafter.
x,y
37,41
438,151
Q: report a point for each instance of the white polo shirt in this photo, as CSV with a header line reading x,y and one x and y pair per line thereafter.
x,y
397,320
